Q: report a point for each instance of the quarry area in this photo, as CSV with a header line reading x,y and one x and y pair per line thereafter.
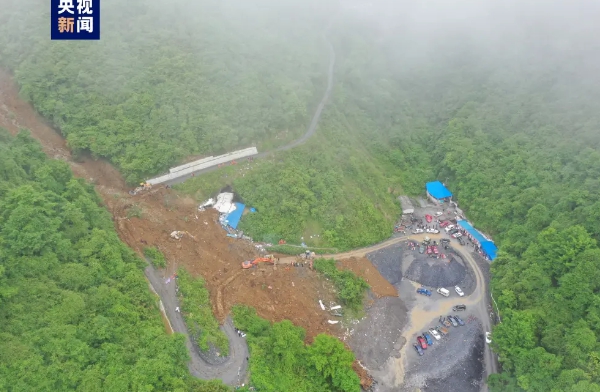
x,y
395,314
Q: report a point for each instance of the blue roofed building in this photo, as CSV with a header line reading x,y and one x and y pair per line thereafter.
x,y
486,245
437,192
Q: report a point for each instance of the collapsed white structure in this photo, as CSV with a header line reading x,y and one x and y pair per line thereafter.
x,y
224,203
204,163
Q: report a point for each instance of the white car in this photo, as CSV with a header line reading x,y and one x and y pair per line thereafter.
x,y
449,227
435,334
457,235
434,231
417,231
459,291
439,213
488,337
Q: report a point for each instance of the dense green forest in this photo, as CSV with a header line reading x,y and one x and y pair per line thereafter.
x,y
172,79
510,121
281,361
75,307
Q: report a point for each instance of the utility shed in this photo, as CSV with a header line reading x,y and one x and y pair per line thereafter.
x,y
407,207
437,192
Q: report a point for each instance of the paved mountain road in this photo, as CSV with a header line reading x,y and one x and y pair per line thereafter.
x,y
233,371
311,128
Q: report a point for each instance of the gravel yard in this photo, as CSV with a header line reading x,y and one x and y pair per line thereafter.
x,y
456,360
377,336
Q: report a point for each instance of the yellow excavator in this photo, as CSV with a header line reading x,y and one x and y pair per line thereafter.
x,y
251,263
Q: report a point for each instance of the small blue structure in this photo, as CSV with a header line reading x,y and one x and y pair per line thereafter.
x,y
252,209
437,192
233,219
487,246
490,249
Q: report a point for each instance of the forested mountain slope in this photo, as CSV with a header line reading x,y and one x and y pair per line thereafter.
x,y
172,79
76,311
503,107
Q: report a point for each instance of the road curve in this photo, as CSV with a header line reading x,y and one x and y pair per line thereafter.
x,y
311,128
232,371
477,301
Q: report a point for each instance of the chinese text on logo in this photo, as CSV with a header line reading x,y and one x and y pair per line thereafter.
x,y
75,19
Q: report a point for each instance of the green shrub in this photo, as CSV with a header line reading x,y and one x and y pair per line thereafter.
x,y
155,256
280,361
197,313
350,288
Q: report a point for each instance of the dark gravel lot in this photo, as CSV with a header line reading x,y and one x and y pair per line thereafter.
x,y
425,270
378,335
452,363
388,262
441,273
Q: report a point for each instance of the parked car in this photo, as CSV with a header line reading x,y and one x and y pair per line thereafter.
x,y
444,223
419,351
445,322
453,321
422,342
459,291
423,291
433,231
488,337
461,241
435,250
443,292
442,330
439,213
458,320
428,218
435,333
429,250
452,231
428,338
459,308
417,231
421,248
457,235
448,228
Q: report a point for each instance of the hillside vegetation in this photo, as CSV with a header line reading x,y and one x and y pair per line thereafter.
x,y
172,79
76,311
507,117
280,361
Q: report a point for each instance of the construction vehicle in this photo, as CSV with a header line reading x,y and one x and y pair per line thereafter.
x,y
144,186
267,259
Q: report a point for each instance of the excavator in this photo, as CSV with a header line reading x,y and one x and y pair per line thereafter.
x,y
267,259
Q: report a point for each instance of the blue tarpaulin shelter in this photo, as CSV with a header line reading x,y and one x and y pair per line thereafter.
x,y
438,190
486,245
233,219
472,232
490,249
